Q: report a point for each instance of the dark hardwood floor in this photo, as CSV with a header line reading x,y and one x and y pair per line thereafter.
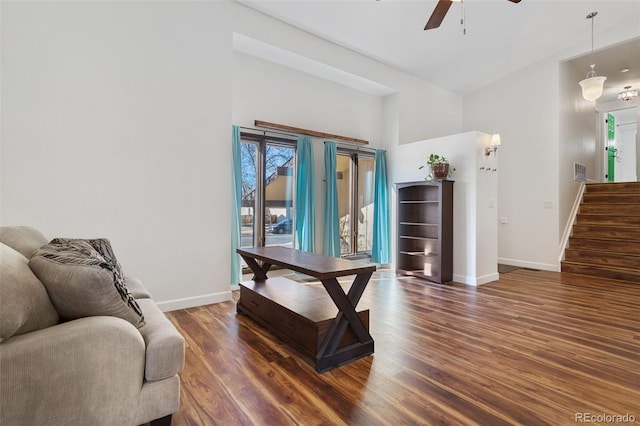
x,y
535,348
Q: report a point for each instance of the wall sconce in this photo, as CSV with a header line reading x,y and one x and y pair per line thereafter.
x,y
495,143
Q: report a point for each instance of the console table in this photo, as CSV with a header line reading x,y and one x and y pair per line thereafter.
x,y
328,329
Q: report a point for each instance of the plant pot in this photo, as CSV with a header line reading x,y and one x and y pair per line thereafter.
x,y
440,170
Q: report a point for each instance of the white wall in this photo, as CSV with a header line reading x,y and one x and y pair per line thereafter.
x,y
134,98
423,110
535,110
116,123
523,108
269,92
577,143
266,91
475,198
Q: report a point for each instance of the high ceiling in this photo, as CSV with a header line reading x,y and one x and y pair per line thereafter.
x,y
501,37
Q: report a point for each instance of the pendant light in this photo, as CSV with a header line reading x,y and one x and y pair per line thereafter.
x,y
627,94
592,85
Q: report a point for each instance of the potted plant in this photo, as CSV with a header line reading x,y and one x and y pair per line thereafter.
x,y
439,166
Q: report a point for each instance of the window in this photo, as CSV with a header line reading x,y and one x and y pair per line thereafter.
x,y
355,180
268,183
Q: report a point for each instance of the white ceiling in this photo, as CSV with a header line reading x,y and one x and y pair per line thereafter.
x,y
501,37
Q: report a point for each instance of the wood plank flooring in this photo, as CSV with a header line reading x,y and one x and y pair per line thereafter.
x,y
535,348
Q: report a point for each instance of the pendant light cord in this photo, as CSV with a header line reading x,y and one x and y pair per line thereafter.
x,y
592,73
593,15
463,19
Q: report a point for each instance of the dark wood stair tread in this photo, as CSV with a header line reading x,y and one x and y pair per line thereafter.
x,y
613,232
618,273
603,258
624,209
614,187
607,219
607,245
619,198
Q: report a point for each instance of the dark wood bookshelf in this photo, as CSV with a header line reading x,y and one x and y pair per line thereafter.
x,y
425,230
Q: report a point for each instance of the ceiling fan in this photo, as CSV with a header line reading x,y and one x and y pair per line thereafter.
x,y
441,10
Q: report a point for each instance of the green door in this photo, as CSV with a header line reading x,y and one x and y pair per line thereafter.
x,y
611,153
611,150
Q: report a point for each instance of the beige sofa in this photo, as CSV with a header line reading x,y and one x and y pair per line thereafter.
x,y
92,370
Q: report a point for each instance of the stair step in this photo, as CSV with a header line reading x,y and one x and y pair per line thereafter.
x,y
607,245
616,273
617,209
613,187
601,258
605,240
611,232
605,219
611,198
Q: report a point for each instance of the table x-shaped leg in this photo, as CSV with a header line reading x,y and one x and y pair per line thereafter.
x,y
328,356
259,271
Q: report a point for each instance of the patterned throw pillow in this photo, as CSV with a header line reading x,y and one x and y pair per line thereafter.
x,y
84,281
103,247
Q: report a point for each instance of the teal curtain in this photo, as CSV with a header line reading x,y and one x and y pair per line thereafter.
x,y
236,204
381,247
305,196
331,234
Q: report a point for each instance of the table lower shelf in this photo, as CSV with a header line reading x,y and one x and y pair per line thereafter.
x,y
301,315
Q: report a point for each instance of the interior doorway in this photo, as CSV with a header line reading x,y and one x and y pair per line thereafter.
x,y
621,155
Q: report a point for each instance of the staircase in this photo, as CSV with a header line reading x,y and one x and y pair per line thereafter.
x,y
605,241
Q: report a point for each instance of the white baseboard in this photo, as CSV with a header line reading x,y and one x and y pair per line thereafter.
x,y
475,281
462,279
487,278
190,302
530,265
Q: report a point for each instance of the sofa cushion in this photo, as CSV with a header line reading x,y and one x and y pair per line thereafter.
x,y
81,283
165,346
25,304
23,239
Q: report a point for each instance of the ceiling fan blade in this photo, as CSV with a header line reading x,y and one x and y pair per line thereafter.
x,y
515,1
438,14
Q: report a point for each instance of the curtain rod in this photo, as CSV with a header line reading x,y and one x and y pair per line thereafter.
x,y
345,145
308,132
355,148
348,145
264,131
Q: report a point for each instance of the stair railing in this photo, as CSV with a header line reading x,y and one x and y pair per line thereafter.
x,y
570,222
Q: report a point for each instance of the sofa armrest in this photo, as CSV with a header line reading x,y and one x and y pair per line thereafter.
x,y
165,346
86,371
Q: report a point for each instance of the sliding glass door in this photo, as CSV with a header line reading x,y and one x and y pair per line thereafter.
x,y
278,182
268,181
364,204
355,173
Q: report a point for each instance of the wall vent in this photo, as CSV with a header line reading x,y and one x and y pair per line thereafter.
x,y
579,172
